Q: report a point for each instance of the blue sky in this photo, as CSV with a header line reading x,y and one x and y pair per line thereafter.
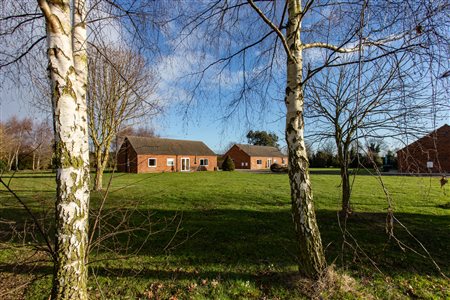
x,y
15,101
203,120
212,130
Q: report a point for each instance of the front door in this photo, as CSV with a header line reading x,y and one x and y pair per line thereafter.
x,y
185,164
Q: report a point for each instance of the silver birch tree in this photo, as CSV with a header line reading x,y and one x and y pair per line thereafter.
x,y
22,35
360,30
66,40
310,250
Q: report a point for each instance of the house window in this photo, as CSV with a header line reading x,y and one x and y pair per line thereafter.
x,y
259,161
283,161
246,164
274,161
268,163
152,162
170,162
242,164
203,162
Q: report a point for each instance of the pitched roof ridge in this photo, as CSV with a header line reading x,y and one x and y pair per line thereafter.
x,y
260,150
256,145
156,145
161,138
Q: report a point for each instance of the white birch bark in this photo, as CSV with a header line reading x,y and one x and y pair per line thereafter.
x,y
311,257
71,139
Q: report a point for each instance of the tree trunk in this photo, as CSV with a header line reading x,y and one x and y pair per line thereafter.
x,y
10,161
71,153
17,159
102,158
34,160
344,162
311,256
98,180
38,163
345,210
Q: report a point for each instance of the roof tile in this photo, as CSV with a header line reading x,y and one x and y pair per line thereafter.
x,y
265,151
148,145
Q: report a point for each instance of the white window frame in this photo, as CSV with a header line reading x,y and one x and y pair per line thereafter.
x,y
186,159
170,160
268,163
203,159
156,162
259,161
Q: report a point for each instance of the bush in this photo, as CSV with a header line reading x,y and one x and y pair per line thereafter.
x,y
3,165
25,161
322,159
228,164
277,168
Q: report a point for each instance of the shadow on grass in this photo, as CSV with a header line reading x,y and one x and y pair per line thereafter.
x,y
123,280
36,175
255,240
178,274
335,171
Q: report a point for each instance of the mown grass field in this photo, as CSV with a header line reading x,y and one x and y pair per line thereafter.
x,y
234,238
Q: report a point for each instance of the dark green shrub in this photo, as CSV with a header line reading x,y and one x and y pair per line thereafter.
x,y
228,164
3,165
277,168
25,161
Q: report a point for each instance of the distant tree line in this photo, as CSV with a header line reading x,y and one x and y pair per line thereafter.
x,y
368,157
25,144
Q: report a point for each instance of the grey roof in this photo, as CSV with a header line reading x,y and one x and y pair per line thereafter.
x,y
148,145
265,151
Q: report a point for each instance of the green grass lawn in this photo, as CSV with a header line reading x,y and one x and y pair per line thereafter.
x,y
234,238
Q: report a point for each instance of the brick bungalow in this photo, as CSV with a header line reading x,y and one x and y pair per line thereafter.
x,y
255,157
146,155
430,153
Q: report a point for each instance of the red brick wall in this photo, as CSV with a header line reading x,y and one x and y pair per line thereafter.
x,y
129,161
243,161
264,160
434,147
161,163
127,158
239,157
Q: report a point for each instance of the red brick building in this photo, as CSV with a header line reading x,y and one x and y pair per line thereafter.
x,y
429,154
255,157
146,155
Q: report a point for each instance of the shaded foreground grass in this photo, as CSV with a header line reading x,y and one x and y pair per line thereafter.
x,y
235,238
